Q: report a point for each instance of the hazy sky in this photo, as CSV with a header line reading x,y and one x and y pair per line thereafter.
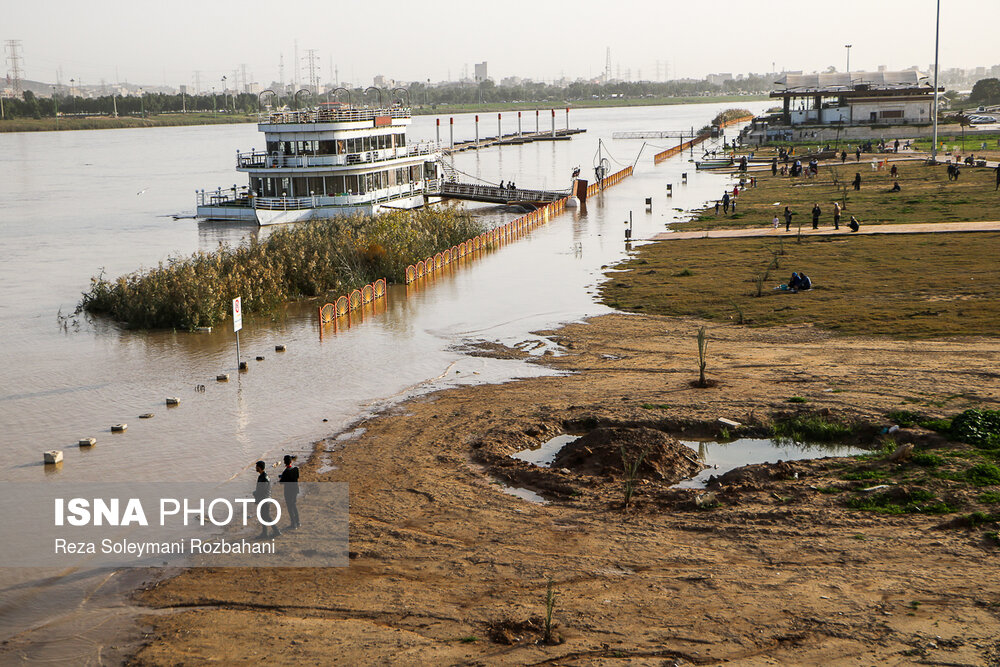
x,y
166,41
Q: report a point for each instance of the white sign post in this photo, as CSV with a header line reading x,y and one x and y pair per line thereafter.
x,y
237,325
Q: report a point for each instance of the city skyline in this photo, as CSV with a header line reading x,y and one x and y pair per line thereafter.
x,y
442,41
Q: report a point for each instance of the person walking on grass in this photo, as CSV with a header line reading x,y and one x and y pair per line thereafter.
x,y
857,181
774,166
816,213
788,219
857,153
998,178
725,202
836,215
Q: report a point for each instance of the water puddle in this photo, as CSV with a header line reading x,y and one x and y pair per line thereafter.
x,y
725,456
545,454
524,494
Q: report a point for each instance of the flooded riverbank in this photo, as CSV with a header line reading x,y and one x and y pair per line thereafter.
x,y
86,200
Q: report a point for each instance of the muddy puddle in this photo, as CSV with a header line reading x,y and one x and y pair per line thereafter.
x,y
708,458
721,457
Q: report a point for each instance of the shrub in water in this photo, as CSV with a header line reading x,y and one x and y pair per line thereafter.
x,y
303,260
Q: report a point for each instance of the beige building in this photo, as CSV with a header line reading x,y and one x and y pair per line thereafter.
x,y
855,98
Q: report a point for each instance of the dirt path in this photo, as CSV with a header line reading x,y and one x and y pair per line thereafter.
x,y
913,228
446,568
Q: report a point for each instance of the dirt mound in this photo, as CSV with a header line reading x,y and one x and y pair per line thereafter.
x,y
757,475
600,453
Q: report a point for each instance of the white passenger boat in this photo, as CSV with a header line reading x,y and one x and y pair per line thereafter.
x,y
329,161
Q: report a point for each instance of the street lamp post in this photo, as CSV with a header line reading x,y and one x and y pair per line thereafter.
x,y
934,111
142,104
848,47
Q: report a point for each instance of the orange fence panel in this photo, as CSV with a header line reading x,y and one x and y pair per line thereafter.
x,y
355,299
343,305
380,287
367,294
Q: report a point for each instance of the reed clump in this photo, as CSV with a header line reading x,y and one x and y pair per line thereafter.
x,y
298,261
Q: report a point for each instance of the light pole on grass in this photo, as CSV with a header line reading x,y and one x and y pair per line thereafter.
x,y
848,47
934,111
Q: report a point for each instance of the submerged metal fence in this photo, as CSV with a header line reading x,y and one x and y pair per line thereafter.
x,y
377,292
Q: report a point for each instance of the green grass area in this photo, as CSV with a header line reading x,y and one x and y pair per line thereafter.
x,y
908,286
441,109
110,123
926,196
900,501
953,137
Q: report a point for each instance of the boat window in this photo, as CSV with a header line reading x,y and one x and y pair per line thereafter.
x,y
272,147
415,173
400,140
316,185
336,185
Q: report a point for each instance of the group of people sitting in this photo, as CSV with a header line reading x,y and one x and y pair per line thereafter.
x,y
799,281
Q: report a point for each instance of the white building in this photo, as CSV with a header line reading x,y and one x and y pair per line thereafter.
x,y
855,98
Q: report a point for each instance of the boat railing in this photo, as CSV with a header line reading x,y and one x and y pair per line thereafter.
x,y
234,196
345,199
331,115
260,160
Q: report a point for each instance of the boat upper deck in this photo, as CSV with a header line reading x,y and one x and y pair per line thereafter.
x,y
334,115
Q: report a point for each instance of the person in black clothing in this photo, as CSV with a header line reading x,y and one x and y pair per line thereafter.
x,y
857,180
843,157
774,167
788,219
725,202
895,187
289,479
854,224
998,179
857,153
816,213
261,493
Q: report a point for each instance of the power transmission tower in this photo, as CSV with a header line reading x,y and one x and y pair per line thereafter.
x,y
295,66
281,71
607,65
243,73
12,47
197,82
313,69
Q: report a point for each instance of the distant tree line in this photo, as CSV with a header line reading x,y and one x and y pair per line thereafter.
x,y
32,106
486,92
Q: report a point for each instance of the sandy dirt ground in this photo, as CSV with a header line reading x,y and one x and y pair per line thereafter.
x,y
446,568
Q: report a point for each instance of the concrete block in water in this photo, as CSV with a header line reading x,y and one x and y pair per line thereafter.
x,y
118,428
173,400
728,423
222,377
53,456
279,348
87,442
